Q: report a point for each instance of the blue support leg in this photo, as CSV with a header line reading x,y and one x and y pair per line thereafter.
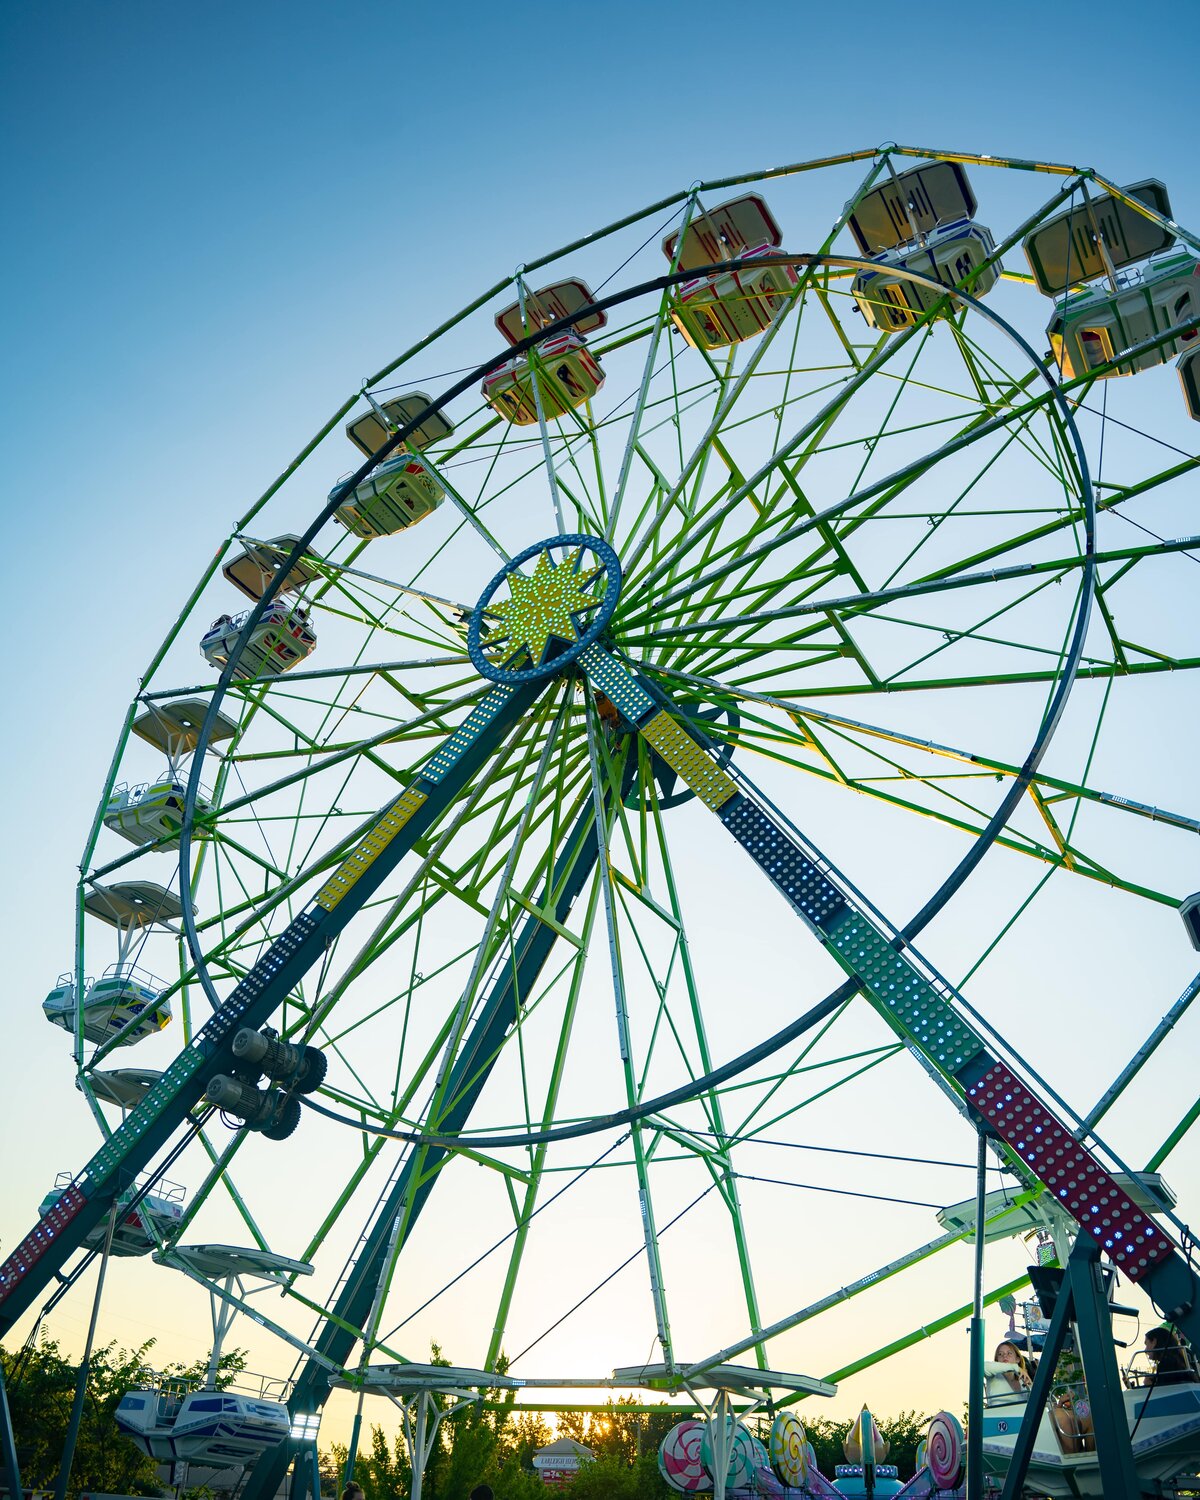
x,y
1093,1323
8,1441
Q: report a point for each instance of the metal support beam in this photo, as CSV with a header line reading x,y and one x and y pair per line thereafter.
x,y
1093,1324
1018,1467
85,1364
8,1442
975,1383
917,1002
471,1070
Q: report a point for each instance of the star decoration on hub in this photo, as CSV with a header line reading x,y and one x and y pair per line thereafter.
x,y
542,608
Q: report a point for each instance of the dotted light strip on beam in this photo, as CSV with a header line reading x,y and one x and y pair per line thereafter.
x,y
1080,1185
815,897
39,1239
477,722
616,683
371,847
681,752
905,993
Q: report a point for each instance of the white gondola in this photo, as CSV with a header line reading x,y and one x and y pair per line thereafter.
x,y
253,568
152,812
713,312
949,253
124,1001
1091,328
138,1230
170,1423
568,375
170,1420
1189,378
282,638
400,492
1164,1424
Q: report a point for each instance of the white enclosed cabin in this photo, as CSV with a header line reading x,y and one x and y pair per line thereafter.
x,y
152,812
125,1001
568,375
1090,329
282,638
1189,378
219,1428
137,1230
395,496
253,568
194,1421
404,489
950,253
728,307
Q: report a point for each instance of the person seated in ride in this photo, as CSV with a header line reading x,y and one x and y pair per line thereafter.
x,y
1007,1373
1166,1352
1070,1409
1019,1373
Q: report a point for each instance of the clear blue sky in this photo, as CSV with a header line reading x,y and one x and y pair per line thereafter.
x,y
222,216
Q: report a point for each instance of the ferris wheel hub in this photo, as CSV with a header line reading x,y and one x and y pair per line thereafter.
x,y
532,623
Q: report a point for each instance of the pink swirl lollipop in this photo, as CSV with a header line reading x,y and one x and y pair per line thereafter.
x,y
679,1460
944,1450
789,1449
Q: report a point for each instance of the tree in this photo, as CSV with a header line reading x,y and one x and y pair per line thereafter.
x,y
522,1437
611,1478
904,1433
384,1472
41,1388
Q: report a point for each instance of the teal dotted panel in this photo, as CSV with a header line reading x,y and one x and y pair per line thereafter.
x,y
899,989
616,684
476,724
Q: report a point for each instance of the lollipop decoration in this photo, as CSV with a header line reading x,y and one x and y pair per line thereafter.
x,y
679,1460
944,1448
789,1449
746,1454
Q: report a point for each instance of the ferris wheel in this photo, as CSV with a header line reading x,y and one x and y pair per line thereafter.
x,y
587,791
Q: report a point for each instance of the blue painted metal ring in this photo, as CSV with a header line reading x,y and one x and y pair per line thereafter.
x,y
512,676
